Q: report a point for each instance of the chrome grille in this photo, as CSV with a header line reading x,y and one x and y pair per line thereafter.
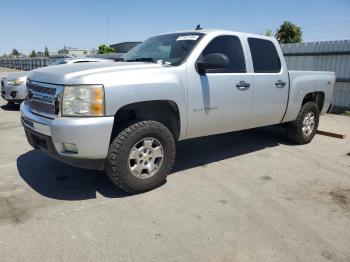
x,y
41,89
41,108
43,99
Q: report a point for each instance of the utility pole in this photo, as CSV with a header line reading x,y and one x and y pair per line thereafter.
x,y
107,29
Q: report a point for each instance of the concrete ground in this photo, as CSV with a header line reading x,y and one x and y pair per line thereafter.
x,y
4,71
244,196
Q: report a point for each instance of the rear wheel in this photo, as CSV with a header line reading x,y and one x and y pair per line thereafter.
x,y
141,156
304,128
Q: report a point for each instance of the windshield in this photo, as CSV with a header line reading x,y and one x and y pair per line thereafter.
x,y
172,49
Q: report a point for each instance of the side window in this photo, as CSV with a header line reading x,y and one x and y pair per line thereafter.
x,y
232,48
264,55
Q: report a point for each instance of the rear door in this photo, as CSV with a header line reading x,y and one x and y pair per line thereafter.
x,y
270,83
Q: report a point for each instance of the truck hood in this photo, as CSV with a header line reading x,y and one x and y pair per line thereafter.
x,y
14,76
74,73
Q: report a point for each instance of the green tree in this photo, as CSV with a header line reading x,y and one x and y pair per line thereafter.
x,y
15,52
46,52
289,33
32,54
268,32
105,49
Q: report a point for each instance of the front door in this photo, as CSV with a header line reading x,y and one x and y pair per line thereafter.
x,y
219,101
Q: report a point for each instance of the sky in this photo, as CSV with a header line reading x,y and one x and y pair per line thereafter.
x,y
34,24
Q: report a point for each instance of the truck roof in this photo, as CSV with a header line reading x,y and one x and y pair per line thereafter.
x,y
221,31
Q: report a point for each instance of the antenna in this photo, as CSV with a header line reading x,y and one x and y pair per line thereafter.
x,y
198,27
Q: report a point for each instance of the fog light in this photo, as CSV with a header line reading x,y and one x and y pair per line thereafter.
x,y
70,148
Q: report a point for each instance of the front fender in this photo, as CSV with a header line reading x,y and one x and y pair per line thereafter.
x,y
132,87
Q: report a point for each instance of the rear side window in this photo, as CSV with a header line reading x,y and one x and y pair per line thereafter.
x,y
264,55
232,48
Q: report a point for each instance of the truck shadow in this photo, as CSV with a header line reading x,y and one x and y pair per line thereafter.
x,y
56,180
201,151
10,107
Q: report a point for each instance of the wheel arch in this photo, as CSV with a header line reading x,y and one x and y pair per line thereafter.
x,y
316,97
163,111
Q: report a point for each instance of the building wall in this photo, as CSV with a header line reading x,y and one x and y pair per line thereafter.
x,y
73,52
323,56
77,53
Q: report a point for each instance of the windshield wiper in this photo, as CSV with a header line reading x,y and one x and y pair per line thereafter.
x,y
141,59
120,59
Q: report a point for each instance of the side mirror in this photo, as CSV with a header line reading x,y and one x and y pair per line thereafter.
x,y
212,61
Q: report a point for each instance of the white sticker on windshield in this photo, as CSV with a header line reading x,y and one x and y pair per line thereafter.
x,y
187,37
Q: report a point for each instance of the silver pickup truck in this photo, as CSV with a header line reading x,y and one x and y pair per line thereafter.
x,y
125,117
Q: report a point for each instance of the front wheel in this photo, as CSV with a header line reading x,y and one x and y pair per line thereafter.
x,y
141,156
303,129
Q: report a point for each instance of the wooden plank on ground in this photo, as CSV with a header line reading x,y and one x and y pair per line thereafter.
x,y
331,134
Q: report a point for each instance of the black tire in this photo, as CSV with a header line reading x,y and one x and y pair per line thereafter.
x,y
295,128
117,162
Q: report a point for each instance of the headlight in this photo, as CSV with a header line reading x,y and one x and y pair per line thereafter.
x,y
83,100
16,82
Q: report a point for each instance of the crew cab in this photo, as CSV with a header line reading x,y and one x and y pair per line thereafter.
x,y
125,117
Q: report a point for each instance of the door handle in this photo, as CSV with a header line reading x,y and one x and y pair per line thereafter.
x,y
280,84
242,85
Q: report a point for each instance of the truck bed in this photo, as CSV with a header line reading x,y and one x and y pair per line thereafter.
x,y
304,82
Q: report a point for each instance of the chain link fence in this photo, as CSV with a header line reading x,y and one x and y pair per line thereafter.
x,y
28,64
25,63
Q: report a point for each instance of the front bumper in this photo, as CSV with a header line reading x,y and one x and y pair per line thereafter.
x,y
91,135
13,93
